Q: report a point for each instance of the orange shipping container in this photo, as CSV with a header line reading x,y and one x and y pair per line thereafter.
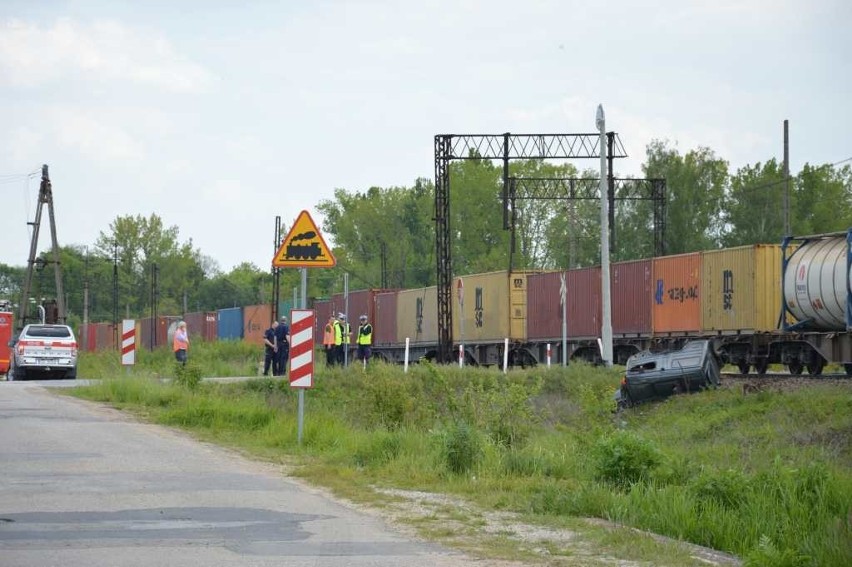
x,y
677,294
256,319
742,289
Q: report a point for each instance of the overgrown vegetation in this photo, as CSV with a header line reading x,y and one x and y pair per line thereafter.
x,y
767,477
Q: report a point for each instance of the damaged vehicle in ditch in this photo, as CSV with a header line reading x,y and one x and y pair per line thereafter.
x,y
656,375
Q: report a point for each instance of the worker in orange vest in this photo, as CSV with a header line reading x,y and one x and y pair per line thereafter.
x,y
328,340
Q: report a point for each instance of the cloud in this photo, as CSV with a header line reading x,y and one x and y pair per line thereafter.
x,y
101,52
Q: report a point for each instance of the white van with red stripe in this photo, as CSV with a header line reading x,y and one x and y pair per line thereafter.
x,y
44,351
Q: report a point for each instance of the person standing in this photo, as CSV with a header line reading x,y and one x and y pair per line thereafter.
x,y
365,340
328,340
338,339
180,343
346,330
270,348
282,340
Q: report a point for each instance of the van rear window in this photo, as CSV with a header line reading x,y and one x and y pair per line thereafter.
x,y
45,331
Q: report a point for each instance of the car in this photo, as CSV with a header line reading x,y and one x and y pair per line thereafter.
x,y
653,375
43,351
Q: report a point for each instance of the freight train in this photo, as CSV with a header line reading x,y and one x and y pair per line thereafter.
x,y
787,304
761,304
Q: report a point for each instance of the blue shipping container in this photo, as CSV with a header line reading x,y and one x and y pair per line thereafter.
x,y
229,324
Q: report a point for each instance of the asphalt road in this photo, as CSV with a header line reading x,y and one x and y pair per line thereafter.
x,y
85,485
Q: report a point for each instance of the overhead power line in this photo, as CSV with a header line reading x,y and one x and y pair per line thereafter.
x,y
806,173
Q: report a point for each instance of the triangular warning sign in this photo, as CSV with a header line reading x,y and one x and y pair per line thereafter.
x,y
304,247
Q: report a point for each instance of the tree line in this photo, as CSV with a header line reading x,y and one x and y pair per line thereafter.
x,y
385,237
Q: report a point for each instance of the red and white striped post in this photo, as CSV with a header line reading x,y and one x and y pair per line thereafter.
x,y
128,343
302,356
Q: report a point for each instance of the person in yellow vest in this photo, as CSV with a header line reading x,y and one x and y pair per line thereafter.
x,y
365,340
180,343
338,338
328,340
346,331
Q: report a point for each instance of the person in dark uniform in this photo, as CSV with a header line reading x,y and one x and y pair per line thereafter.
x,y
270,348
282,338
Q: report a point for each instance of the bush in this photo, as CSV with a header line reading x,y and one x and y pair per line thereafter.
x,y
725,488
377,448
462,448
623,459
188,375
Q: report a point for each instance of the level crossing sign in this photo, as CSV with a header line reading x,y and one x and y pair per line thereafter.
x,y
304,247
302,348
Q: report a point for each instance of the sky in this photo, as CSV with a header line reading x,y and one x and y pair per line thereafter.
x,y
219,116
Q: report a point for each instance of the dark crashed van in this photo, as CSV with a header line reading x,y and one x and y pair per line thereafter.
x,y
653,375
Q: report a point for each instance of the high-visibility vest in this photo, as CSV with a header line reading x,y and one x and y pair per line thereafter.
x,y
328,335
365,334
346,332
338,333
180,341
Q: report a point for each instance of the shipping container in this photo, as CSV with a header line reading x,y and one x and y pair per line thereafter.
x,y
677,295
494,307
201,325
153,334
544,310
86,337
256,320
105,338
742,289
229,324
324,312
416,316
384,325
632,287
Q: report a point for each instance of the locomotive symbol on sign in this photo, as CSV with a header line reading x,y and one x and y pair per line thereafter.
x,y
303,247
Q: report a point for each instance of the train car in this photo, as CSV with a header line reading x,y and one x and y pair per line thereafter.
x,y
201,325
817,296
256,320
153,332
229,324
676,307
739,304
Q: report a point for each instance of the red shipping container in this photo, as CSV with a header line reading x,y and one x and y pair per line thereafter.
x,y
105,336
201,325
384,325
632,288
544,312
323,310
677,294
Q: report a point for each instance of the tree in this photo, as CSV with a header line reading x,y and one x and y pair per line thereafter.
x,y
754,211
139,243
822,200
696,190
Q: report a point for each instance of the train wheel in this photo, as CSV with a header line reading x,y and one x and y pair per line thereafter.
x,y
743,366
761,366
815,367
795,367
848,368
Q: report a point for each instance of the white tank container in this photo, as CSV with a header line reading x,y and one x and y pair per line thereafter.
x,y
816,283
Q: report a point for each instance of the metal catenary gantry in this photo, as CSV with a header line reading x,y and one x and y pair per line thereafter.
x,y
505,147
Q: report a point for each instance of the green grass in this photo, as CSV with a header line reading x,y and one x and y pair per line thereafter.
x,y
767,477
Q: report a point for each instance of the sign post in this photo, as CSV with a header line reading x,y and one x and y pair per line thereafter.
x,y
128,343
303,247
302,356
